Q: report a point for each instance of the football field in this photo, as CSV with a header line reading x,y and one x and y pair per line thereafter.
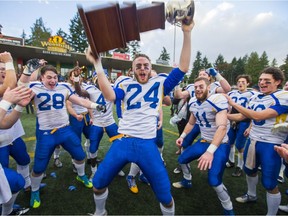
x,y
57,199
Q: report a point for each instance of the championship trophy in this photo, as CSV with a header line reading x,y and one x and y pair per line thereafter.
x,y
110,26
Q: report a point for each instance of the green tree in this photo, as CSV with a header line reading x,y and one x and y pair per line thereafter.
x,y
165,56
274,63
134,48
264,60
77,38
284,67
63,34
39,33
197,65
253,66
205,63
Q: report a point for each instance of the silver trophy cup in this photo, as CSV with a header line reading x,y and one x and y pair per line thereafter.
x,y
180,11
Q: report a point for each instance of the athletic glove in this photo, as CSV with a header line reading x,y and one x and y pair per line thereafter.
x,y
101,108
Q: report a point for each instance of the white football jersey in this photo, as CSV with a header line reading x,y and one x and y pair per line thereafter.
x,y
100,119
5,191
140,105
241,98
213,87
261,130
205,114
190,88
51,105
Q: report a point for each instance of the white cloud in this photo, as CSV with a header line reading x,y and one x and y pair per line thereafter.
x,y
263,17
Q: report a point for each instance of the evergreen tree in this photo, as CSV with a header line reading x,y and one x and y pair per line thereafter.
x,y
197,65
264,60
284,67
77,38
134,48
205,63
164,56
39,33
63,34
254,66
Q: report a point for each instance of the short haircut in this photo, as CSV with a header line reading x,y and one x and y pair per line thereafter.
x,y
141,55
276,73
245,76
48,68
204,79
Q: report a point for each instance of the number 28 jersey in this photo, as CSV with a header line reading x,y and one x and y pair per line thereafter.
x,y
51,105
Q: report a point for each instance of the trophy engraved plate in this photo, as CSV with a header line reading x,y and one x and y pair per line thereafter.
x,y
151,17
130,21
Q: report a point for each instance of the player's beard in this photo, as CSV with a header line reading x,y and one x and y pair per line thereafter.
x,y
203,96
140,80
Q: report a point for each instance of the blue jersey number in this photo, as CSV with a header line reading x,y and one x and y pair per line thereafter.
x,y
205,120
150,96
57,101
101,100
259,107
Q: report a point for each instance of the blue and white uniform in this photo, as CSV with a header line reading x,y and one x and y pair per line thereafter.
x,y
80,126
52,126
236,132
205,114
102,122
264,139
140,109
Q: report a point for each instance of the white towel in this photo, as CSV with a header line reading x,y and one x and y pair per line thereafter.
x,y
251,156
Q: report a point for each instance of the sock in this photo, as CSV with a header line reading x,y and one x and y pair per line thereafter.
x,y
134,169
232,154
273,202
100,202
57,152
80,169
87,147
252,183
24,171
7,207
281,173
223,196
35,182
186,171
240,160
168,211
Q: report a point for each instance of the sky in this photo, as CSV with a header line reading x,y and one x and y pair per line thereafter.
x,y
232,28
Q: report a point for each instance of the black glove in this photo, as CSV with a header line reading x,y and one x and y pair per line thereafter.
x,y
31,66
101,108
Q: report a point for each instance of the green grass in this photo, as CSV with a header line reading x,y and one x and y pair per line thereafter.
x,y
199,200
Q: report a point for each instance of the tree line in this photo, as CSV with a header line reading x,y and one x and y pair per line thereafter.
x,y
77,39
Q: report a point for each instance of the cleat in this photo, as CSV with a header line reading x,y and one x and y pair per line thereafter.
x,y
238,172
283,208
121,173
184,183
57,163
104,214
177,170
132,184
19,211
246,198
143,179
280,179
228,212
35,199
85,181
230,164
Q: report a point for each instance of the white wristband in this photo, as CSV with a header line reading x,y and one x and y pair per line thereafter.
x,y
93,105
18,108
5,105
219,77
76,78
212,148
183,135
9,66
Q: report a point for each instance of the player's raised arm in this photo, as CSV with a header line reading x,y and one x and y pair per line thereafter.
x,y
10,79
104,84
186,47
